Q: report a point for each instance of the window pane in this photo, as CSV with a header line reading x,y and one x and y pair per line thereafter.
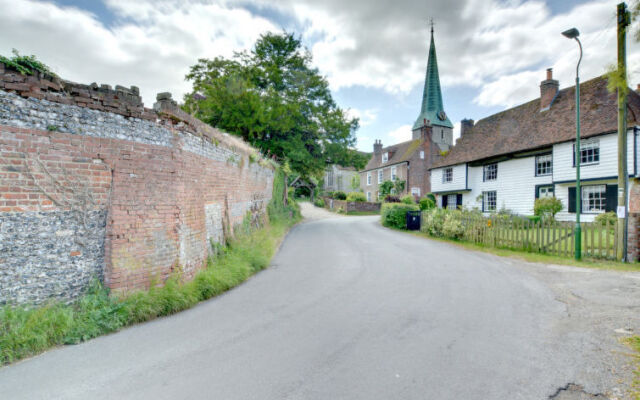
x,y
489,200
451,201
490,172
590,151
544,165
447,175
594,198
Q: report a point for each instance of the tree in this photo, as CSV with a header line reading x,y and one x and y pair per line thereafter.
x,y
276,100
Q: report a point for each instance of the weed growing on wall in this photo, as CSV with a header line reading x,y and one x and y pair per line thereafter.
x,y
26,65
25,332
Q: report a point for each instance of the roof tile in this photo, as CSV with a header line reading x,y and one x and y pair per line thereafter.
x,y
525,127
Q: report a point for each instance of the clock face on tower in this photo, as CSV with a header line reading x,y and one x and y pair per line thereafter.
x,y
442,116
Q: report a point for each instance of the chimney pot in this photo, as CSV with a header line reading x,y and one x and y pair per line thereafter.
x,y
465,126
377,146
548,90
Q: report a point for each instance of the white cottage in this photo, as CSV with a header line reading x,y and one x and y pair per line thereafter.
x,y
509,159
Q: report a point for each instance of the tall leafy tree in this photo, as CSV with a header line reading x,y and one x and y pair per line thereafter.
x,y
276,100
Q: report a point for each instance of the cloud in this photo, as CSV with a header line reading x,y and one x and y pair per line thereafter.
x,y
366,117
400,134
526,63
499,48
151,45
456,131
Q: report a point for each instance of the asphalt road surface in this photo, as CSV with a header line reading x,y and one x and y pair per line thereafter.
x,y
351,310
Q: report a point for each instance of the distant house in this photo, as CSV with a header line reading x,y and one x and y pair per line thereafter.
x,y
511,158
337,177
432,133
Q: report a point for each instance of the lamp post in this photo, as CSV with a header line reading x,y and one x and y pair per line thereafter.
x,y
573,33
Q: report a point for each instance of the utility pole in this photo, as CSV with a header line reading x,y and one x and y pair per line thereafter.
x,y
624,19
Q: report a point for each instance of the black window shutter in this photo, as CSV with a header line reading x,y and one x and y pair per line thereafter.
x,y
612,198
572,200
459,200
444,201
537,192
574,154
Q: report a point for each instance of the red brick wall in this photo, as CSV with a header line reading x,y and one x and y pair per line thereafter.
x,y
155,196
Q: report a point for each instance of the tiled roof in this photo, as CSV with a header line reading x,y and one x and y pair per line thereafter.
x,y
526,128
400,152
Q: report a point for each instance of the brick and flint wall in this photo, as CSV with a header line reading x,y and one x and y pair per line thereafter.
x,y
95,185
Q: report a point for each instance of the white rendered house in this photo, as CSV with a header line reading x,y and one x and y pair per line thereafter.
x,y
509,159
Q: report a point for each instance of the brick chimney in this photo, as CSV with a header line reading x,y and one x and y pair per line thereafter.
x,y
638,88
426,131
465,126
548,90
377,147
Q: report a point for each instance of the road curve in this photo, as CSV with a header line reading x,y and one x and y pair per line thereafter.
x,y
351,310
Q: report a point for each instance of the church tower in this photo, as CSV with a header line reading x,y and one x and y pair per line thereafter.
x,y
432,111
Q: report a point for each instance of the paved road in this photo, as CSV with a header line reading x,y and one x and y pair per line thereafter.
x,y
350,310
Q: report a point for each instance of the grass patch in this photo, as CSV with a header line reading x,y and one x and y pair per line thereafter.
x,y
534,257
634,343
363,213
25,332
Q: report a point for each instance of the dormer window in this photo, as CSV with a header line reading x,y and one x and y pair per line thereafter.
x,y
385,157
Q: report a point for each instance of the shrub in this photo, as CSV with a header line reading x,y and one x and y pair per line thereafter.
x,y
408,199
339,195
385,188
356,196
319,203
607,219
452,226
533,218
547,207
392,199
431,196
395,214
426,203
433,221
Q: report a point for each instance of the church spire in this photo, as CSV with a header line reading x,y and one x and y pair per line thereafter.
x,y
432,109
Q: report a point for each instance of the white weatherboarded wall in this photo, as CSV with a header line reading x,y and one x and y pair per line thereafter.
x,y
515,186
458,182
563,169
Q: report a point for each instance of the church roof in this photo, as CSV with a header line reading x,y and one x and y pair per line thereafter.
x,y
432,109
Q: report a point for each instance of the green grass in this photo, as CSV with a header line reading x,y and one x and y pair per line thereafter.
x,y
534,257
26,332
634,343
363,213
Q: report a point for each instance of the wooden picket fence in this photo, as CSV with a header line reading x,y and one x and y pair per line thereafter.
x,y
549,237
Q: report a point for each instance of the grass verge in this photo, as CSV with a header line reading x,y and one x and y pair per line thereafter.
x,y
363,213
26,332
533,257
634,343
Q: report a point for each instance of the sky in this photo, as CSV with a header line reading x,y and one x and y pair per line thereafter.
x,y
492,54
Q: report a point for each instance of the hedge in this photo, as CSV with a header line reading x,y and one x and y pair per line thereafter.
x,y
395,214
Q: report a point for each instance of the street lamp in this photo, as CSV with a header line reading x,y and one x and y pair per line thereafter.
x,y
573,33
